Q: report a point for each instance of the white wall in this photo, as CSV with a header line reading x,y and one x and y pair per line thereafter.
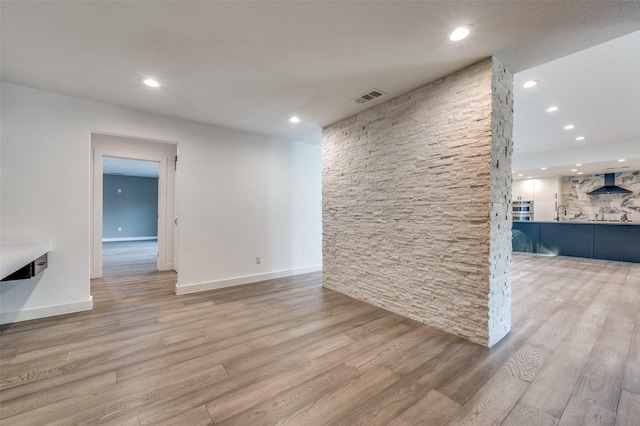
x,y
147,150
240,195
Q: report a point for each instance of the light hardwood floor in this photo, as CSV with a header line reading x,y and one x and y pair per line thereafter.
x,y
287,351
120,258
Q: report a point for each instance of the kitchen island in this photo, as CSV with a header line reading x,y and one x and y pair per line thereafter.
x,y
595,240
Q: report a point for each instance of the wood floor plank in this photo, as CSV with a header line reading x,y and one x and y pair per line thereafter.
x,y
236,401
112,402
526,363
223,348
75,377
390,349
391,402
525,415
631,381
602,376
492,403
406,362
289,351
334,405
584,413
94,358
433,409
554,330
129,418
628,411
552,387
333,334
463,384
291,400
198,416
13,405
267,380
601,379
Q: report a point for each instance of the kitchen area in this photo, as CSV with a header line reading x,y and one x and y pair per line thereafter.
x,y
591,216
576,154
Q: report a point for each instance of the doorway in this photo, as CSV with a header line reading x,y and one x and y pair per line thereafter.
x,y
155,252
129,216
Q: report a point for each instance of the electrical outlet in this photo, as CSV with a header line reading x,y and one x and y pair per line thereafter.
x,y
119,229
258,260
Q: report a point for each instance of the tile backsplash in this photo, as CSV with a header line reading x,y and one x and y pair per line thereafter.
x,y
582,207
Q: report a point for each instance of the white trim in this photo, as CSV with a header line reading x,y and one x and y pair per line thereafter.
x,y
248,279
111,240
165,206
45,311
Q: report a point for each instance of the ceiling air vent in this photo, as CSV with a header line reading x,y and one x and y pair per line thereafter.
x,y
369,96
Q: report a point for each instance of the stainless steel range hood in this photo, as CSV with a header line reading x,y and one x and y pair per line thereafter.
x,y
609,186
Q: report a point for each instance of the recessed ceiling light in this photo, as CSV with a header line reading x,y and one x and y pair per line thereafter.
x,y
460,33
580,138
622,160
151,82
553,108
544,168
528,177
579,164
294,119
569,127
574,170
529,84
579,173
520,174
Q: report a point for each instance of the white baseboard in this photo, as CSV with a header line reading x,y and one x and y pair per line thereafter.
x,y
248,279
45,311
166,267
110,240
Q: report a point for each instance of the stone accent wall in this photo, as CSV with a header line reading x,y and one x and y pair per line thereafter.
x,y
500,247
416,204
582,207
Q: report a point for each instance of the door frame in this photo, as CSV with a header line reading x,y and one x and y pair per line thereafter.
x,y
164,264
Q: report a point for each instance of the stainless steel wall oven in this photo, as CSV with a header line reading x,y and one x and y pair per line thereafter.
x,y
522,211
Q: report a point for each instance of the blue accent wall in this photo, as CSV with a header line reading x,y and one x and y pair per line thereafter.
x,y
135,209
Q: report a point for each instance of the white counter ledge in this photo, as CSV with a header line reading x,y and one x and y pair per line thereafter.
x,y
15,253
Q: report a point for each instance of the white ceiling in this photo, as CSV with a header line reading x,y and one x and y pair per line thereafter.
x,y
250,65
598,91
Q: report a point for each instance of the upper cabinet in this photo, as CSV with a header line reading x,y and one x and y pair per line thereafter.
x,y
544,192
546,189
523,190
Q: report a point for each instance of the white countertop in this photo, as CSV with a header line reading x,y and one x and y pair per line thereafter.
x,y
15,254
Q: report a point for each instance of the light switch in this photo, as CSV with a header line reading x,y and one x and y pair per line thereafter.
x,y
119,191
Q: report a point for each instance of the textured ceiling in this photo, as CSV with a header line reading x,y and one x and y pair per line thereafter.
x,y
250,65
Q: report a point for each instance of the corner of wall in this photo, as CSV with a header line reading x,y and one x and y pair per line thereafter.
x,y
500,175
